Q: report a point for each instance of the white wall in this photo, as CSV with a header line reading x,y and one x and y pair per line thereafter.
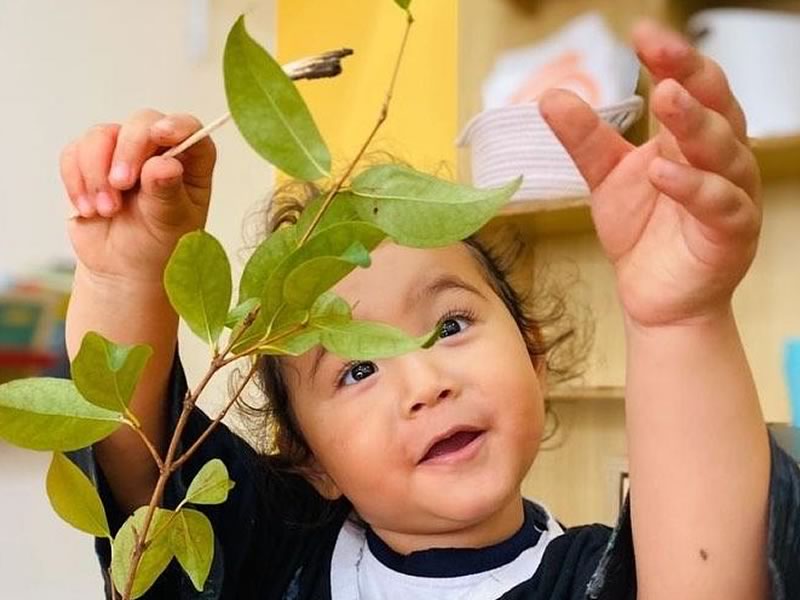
x,y
65,66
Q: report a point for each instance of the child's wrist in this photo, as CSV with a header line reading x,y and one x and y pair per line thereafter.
x,y
713,319
114,287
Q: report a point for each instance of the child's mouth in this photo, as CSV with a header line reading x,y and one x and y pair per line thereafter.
x,y
454,447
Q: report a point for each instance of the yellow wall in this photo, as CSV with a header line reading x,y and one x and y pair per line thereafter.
x,y
422,123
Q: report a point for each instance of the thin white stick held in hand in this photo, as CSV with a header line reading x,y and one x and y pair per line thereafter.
x,y
327,64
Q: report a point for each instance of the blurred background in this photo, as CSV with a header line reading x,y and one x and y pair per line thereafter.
x,y
464,105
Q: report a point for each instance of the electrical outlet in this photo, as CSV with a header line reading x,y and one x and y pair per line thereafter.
x,y
618,483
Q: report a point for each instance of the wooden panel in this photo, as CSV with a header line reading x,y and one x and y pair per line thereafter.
x,y
576,472
548,217
679,11
778,158
767,303
600,393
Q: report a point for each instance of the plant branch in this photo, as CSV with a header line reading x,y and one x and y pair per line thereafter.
x,y
153,452
188,404
302,69
327,64
204,436
262,342
381,118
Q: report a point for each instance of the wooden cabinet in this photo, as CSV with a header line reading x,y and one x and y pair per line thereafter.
x,y
576,474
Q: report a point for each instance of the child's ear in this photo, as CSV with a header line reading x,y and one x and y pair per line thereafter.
x,y
319,478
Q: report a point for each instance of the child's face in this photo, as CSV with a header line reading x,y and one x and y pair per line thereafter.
x,y
370,425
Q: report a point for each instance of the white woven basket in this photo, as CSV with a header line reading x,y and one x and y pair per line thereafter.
x,y
514,140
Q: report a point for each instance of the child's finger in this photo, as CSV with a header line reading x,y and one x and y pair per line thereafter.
x,y
198,160
704,136
162,179
94,159
666,54
73,181
592,143
134,146
714,201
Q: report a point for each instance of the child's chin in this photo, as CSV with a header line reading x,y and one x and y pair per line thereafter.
x,y
471,503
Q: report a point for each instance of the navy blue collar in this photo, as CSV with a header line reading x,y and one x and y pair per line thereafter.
x,y
457,562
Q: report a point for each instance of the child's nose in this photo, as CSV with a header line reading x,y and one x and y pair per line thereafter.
x,y
427,383
422,403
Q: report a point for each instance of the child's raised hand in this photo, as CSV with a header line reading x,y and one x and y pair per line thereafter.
x,y
133,204
679,216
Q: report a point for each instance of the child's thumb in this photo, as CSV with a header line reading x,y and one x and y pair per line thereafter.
x,y
163,196
162,179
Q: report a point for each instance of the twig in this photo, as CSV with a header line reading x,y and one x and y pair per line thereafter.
x,y
381,118
114,592
166,470
328,64
147,442
204,436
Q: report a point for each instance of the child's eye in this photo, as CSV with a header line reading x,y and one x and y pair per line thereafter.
x,y
453,325
355,372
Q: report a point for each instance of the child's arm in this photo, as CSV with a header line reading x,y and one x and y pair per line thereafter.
x,y
679,218
130,222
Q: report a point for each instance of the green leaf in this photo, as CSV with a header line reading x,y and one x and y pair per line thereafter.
x,y
238,314
327,310
264,261
106,373
49,414
422,211
341,210
198,283
210,485
365,340
403,3
336,240
333,241
269,111
310,279
155,558
74,498
192,542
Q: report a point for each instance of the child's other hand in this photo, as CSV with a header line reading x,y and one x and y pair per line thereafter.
x,y
679,216
132,217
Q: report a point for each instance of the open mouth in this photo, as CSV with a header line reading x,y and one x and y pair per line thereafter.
x,y
453,447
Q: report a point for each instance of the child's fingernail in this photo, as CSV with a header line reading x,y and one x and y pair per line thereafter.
x,y
164,127
105,204
120,173
84,206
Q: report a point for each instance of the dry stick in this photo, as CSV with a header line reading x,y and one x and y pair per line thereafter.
x,y
314,67
381,118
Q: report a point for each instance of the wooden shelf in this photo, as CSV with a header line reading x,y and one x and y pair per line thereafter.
x,y
593,393
549,217
778,157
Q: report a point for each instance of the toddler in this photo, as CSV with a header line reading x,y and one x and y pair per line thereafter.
x,y
400,478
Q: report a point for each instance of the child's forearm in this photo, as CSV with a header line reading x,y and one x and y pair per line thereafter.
x,y
699,460
128,312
